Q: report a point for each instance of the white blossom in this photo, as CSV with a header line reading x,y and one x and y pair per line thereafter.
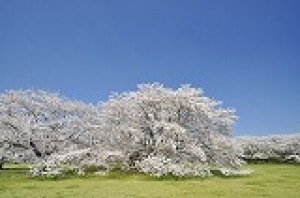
x,y
154,129
273,147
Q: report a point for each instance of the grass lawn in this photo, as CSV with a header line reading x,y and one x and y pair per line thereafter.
x,y
268,180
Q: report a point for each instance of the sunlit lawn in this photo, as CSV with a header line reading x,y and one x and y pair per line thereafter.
x,y
268,180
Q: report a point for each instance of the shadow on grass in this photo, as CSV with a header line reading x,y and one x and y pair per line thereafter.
x,y
117,174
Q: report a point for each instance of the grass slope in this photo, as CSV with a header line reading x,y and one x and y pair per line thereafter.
x,y
268,180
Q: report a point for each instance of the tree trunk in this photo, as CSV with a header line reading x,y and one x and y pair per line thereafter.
x,y
1,165
35,149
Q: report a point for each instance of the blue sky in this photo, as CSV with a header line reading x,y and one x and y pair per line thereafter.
x,y
245,53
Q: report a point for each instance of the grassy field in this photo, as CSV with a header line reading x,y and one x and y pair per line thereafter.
x,y
268,180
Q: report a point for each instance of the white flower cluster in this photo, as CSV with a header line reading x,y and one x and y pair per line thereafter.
x,y
160,166
293,158
233,172
46,169
158,130
54,169
282,148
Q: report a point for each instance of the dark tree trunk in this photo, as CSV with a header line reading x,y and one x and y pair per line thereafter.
x,y
35,149
1,165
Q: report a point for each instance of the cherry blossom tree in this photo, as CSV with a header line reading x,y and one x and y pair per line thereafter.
x,y
179,125
154,129
34,124
270,148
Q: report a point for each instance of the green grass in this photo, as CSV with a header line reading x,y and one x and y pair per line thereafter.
x,y
268,180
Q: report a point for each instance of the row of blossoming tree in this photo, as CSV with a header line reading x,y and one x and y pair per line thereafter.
x,y
273,148
153,130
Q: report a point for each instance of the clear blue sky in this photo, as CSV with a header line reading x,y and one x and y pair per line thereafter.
x,y
245,53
